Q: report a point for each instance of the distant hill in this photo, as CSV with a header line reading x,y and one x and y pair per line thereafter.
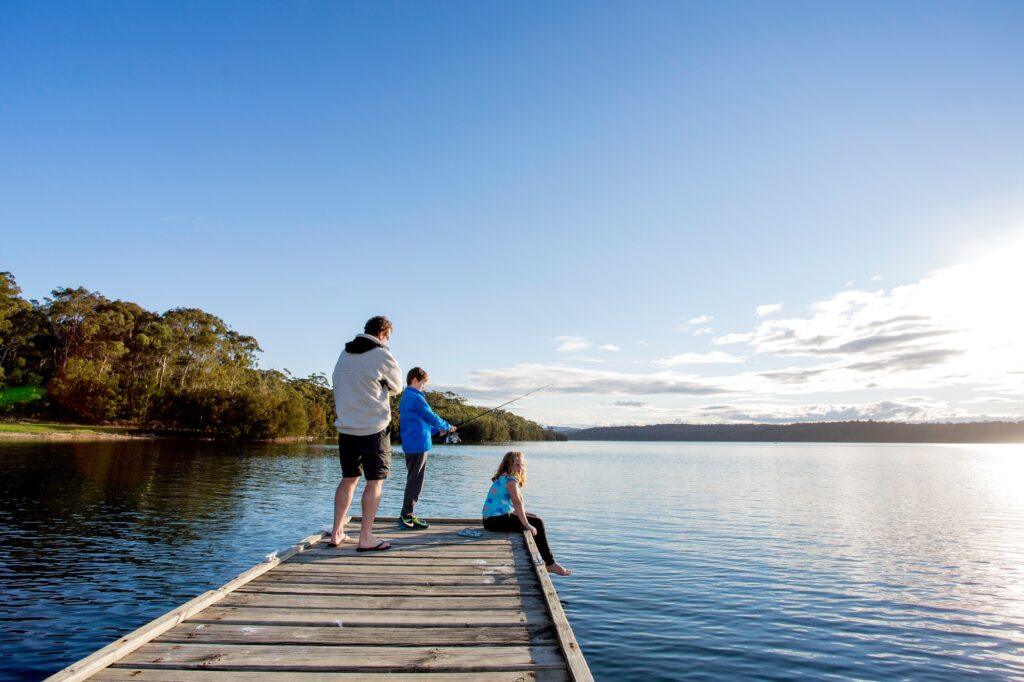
x,y
820,432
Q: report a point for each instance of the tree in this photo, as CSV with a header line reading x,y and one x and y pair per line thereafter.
x,y
11,306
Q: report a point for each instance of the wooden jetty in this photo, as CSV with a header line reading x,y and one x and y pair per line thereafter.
x,y
437,606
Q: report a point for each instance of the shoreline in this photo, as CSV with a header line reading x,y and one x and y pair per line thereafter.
x,y
52,431
81,435
42,432
85,435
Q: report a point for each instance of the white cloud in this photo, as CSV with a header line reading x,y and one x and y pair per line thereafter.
x,y
611,348
768,309
714,357
956,331
623,412
700,319
956,326
905,409
703,331
564,379
990,399
876,278
727,339
571,344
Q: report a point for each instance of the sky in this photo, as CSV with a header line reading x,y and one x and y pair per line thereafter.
x,y
669,212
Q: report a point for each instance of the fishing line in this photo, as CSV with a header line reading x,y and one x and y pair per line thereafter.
x,y
453,438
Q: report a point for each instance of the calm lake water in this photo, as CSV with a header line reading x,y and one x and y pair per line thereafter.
x,y
693,560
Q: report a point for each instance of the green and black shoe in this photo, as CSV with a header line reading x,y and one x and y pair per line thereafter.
x,y
412,523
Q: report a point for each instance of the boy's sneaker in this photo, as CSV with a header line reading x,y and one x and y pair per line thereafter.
x,y
412,523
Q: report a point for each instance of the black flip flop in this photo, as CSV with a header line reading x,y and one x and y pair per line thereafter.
x,y
375,548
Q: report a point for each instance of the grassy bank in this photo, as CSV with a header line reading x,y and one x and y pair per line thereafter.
x,y
25,430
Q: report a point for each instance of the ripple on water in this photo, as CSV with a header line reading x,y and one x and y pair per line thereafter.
x,y
709,561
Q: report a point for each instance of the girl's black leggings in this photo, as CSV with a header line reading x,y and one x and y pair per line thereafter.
x,y
511,522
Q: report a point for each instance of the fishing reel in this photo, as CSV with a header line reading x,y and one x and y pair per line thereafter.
x,y
452,438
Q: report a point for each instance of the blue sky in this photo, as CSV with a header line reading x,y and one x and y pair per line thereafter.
x,y
507,179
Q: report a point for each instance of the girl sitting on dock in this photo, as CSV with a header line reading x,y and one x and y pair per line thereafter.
x,y
504,509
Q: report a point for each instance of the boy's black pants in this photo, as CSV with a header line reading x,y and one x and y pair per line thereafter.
x,y
416,464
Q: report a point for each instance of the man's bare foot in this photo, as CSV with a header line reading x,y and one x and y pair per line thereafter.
x,y
558,569
372,543
339,537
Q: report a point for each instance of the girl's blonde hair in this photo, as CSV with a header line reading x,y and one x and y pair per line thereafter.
x,y
506,467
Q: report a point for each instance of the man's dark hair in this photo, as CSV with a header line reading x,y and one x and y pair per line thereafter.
x,y
375,326
415,373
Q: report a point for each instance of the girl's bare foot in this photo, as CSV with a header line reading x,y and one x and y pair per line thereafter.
x,y
558,569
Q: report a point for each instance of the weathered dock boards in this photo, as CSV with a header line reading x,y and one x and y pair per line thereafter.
x,y
437,606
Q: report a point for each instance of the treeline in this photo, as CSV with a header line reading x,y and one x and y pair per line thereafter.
x,y
80,357
816,432
88,359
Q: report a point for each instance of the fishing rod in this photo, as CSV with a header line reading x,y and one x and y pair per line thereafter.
x,y
453,439
504,404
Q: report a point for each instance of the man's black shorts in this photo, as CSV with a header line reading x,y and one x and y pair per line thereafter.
x,y
365,455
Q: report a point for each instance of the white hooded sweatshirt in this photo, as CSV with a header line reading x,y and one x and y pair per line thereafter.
x,y
365,376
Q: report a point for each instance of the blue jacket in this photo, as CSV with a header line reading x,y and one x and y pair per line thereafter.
x,y
417,422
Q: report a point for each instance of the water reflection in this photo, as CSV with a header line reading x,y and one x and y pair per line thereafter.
x,y
706,560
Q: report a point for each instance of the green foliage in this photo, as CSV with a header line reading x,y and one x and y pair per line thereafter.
x,y
81,357
104,361
12,307
20,394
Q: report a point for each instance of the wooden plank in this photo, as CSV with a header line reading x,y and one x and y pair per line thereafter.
x,y
440,521
81,669
446,539
372,566
225,633
450,531
393,527
386,558
343,658
579,671
389,590
443,539
414,603
411,579
157,675
355,618
400,550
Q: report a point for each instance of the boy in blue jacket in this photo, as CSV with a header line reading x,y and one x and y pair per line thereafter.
x,y
417,423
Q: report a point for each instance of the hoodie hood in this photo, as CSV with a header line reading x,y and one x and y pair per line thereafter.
x,y
362,344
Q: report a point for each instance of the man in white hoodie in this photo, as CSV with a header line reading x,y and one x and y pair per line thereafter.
x,y
365,378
